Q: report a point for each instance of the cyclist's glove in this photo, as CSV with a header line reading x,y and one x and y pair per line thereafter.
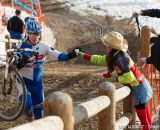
x,y
22,62
72,54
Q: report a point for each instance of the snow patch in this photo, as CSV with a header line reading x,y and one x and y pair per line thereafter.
x,y
119,9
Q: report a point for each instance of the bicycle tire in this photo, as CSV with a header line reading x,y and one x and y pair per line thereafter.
x,y
4,91
21,108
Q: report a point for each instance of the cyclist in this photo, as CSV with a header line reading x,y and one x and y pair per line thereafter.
x,y
33,70
117,59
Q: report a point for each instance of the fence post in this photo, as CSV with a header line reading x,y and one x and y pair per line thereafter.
x,y
145,41
129,107
60,104
7,43
107,118
145,52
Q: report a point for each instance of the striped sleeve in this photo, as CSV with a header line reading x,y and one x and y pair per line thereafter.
x,y
126,78
98,59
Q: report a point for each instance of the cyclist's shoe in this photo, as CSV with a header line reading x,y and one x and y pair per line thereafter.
x,y
29,115
30,118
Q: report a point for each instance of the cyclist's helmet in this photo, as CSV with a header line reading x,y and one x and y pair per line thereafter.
x,y
33,27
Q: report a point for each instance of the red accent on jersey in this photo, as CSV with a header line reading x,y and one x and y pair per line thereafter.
x,y
39,57
139,76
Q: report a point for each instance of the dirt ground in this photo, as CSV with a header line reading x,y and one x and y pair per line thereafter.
x,y
78,78
79,81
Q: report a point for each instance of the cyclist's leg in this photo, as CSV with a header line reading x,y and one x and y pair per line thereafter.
x,y
28,106
37,100
38,111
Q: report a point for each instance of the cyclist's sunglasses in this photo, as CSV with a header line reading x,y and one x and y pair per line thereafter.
x,y
35,34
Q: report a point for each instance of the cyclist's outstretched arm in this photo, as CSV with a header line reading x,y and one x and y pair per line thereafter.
x,y
61,56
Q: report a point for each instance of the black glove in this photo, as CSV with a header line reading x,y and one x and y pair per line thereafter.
x,y
72,54
22,62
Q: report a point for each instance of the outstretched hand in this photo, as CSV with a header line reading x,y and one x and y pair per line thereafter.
x,y
78,49
143,60
136,14
111,79
79,52
73,53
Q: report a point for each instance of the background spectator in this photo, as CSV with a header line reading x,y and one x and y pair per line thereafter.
x,y
15,26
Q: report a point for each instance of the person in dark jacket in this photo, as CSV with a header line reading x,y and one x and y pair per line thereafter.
x,y
148,12
155,41
154,58
15,26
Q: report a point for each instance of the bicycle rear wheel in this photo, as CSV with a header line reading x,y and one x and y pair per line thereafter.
x,y
10,106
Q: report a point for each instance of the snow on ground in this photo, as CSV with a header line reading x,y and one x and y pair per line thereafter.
x,y
118,8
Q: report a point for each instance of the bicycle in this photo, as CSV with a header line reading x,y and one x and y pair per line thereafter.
x,y
10,106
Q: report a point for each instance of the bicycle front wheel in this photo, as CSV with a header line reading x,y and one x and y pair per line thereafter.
x,y
10,106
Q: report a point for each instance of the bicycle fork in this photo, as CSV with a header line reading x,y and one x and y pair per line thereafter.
x,y
7,89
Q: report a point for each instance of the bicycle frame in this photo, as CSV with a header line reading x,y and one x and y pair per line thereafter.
x,y
11,75
8,62
11,58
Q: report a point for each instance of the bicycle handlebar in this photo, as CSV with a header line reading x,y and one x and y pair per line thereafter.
x,y
20,50
16,53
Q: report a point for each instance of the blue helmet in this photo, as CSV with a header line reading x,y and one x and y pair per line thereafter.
x,y
33,27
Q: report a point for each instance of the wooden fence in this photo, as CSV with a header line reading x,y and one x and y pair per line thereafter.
x,y
104,106
60,104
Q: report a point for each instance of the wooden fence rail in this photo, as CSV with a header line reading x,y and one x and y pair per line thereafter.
x,y
47,123
88,109
60,104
